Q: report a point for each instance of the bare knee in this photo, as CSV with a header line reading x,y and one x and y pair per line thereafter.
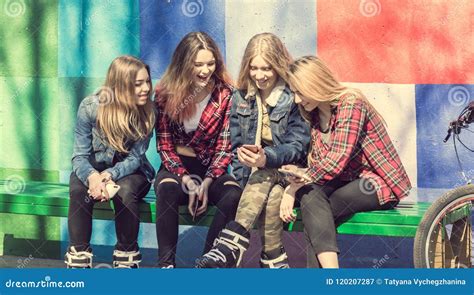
x,y
164,182
231,182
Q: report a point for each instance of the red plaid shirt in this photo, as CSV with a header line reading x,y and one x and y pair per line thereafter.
x,y
358,147
210,141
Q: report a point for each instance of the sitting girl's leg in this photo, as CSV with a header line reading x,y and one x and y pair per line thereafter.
x,y
344,200
318,221
133,188
233,240
271,230
224,193
169,195
81,205
350,199
254,197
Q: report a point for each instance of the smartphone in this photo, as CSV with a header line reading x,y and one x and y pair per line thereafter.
x,y
197,204
112,189
251,147
288,173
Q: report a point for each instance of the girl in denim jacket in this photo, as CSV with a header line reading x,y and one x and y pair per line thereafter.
x,y
111,136
264,115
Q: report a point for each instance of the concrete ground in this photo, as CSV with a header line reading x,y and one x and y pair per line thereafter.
x,y
356,252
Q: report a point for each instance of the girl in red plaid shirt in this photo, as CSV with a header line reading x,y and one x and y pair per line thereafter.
x,y
352,163
193,103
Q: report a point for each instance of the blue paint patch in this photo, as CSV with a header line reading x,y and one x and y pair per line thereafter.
x,y
93,33
165,23
436,106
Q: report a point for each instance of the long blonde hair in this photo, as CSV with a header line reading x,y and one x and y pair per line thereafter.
x,y
310,76
272,50
119,117
176,96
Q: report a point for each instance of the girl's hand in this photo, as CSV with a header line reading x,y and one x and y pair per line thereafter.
x,y
304,179
251,159
106,179
96,186
287,204
203,195
192,187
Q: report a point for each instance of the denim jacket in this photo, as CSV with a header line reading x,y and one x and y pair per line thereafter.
x,y
91,146
290,132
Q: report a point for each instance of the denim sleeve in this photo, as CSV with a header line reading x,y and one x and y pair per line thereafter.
x,y
235,138
295,147
132,162
83,143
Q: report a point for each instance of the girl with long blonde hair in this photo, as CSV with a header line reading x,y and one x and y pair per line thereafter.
x,y
112,133
267,132
352,163
193,100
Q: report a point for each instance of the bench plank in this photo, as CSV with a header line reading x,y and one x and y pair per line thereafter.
x,y
52,199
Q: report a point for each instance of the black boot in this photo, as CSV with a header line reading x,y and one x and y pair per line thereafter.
x,y
228,249
274,259
78,259
127,259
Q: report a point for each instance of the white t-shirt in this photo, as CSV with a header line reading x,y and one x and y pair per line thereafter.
x,y
192,123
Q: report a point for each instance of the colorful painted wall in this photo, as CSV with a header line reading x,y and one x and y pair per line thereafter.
x,y
413,59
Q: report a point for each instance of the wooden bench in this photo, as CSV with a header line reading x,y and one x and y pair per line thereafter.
x,y
33,212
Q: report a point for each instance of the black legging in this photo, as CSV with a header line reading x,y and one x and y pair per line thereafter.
x,y
323,208
127,222
224,193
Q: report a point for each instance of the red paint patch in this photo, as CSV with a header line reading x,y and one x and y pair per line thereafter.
x,y
406,42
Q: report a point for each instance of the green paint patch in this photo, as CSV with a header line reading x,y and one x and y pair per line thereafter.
x,y
26,175
29,31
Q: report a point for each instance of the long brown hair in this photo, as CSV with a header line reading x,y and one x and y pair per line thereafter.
x,y
175,90
119,117
313,79
272,50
